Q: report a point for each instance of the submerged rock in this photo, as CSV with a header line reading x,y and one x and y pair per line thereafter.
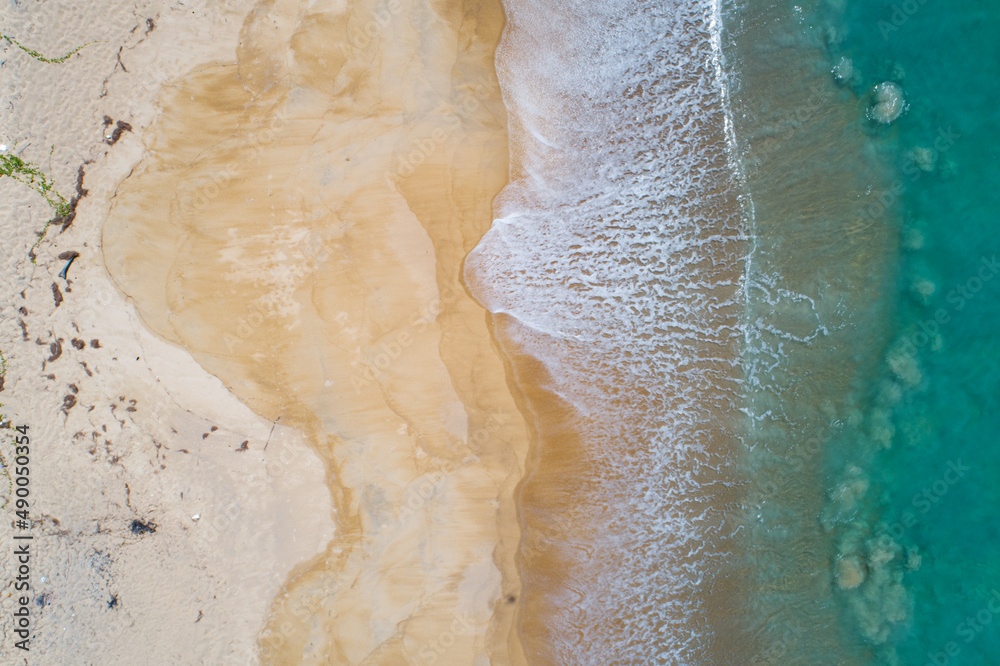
x,y
925,159
889,103
850,573
904,366
913,239
843,70
923,289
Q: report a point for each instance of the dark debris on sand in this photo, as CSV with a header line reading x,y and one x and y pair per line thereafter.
x,y
140,527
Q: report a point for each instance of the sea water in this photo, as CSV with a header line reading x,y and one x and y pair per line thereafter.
x,y
749,246
926,432
871,357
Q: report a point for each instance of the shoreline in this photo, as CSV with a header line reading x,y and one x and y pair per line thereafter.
x,y
593,412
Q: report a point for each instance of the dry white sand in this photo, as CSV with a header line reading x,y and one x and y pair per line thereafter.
x,y
229,525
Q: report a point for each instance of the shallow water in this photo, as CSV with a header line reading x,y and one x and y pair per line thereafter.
x,y
869,369
927,418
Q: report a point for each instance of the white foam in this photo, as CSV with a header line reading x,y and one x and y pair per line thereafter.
x,y
618,254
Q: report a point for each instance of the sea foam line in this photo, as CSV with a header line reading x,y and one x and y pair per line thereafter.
x,y
618,248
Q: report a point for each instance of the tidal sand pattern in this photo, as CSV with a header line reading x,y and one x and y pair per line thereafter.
x,y
299,224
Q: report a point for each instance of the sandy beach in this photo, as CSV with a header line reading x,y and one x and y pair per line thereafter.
x,y
407,332
289,387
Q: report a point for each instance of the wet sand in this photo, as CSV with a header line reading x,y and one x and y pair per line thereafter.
x,y
298,223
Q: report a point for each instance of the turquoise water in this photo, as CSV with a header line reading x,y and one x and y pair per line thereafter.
x,y
873,312
936,483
